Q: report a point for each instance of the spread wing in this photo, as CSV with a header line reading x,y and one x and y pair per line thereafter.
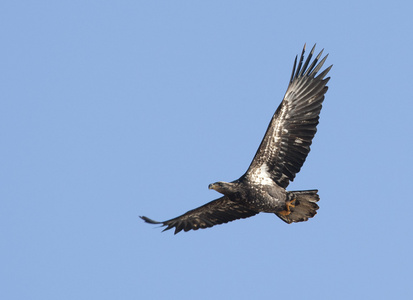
x,y
287,141
219,211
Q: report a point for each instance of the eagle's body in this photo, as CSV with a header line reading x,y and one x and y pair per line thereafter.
x,y
280,156
268,197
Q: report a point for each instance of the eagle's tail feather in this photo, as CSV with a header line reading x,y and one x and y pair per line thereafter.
x,y
303,205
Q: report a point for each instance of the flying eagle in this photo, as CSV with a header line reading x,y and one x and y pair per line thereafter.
x,y
280,156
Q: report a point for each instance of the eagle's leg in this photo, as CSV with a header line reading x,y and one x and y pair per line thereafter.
x,y
288,204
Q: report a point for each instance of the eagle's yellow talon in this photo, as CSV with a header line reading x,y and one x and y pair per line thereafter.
x,y
288,204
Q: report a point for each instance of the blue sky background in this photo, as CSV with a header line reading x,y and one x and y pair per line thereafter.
x,y
114,110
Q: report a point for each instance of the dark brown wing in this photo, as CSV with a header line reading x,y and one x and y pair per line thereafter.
x,y
287,141
213,213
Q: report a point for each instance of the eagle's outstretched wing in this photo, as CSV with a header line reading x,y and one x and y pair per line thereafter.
x,y
287,141
219,211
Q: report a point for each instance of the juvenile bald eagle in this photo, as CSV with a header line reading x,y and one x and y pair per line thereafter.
x,y
280,156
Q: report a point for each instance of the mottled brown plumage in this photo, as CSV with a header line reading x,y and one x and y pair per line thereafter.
x,y
279,158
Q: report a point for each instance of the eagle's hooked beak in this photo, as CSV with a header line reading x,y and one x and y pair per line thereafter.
x,y
214,186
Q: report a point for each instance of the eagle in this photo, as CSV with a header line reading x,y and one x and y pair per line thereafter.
x,y
278,159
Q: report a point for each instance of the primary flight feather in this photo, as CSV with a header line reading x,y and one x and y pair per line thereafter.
x,y
279,158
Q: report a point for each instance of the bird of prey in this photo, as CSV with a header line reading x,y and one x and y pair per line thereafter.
x,y
279,158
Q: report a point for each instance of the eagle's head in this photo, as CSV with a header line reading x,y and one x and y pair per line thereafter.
x,y
224,187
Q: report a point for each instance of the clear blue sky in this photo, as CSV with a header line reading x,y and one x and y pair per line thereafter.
x,y
114,110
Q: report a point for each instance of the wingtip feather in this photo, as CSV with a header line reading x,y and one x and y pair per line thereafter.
x,y
150,221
